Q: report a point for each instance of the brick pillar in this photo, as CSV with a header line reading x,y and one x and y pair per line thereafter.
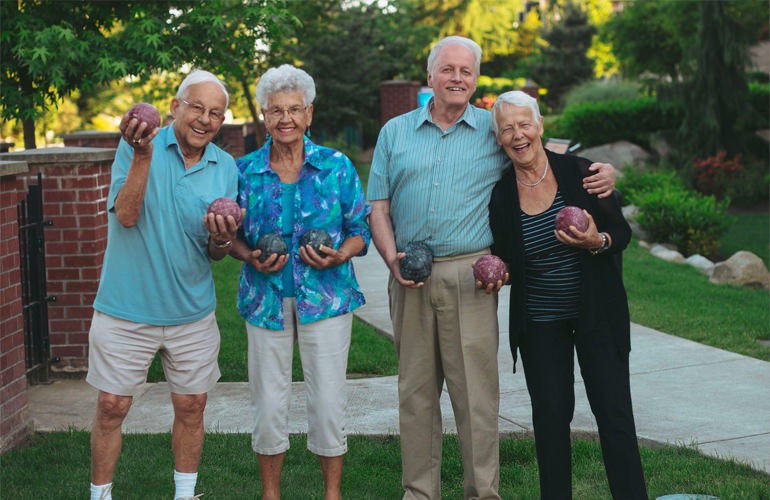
x,y
75,187
396,98
15,424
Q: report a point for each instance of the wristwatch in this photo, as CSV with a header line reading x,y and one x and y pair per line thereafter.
x,y
604,247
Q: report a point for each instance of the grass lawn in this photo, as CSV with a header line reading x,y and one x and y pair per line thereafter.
x,y
56,467
749,232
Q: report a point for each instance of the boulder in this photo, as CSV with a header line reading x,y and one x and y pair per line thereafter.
x,y
742,268
619,154
631,212
700,262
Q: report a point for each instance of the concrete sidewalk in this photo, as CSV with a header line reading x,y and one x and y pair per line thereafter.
x,y
684,393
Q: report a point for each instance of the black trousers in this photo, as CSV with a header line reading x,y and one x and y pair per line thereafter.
x,y
547,353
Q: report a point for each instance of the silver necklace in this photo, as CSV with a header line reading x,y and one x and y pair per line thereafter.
x,y
533,184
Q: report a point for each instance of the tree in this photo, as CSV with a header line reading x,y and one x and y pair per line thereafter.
x,y
715,92
652,36
563,62
108,41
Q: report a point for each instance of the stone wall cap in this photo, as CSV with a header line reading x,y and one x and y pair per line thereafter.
x,y
66,154
13,167
91,134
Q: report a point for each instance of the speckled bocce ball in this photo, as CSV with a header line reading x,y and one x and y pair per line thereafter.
x,y
225,206
417,264
571,216
270,243
315,238
489,269
145,112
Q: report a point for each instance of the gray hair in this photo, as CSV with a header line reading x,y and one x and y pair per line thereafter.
x,y
285,78
197,76
456,40
515,98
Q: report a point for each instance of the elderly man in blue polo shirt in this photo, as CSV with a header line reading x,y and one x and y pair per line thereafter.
x,y
156,293
431,178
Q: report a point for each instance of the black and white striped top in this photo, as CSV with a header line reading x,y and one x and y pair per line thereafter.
x,y
552,268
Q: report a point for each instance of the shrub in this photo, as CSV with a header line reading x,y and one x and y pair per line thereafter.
x,y
636,182
672,214
603,90
714,173
593,123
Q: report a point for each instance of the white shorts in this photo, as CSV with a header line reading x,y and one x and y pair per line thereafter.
x,y
323,347
120,353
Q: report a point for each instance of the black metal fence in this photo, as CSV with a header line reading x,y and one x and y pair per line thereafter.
x,y
37,345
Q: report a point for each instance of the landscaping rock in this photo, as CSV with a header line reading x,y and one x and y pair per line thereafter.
x,y
631,212
664,253
620,154
743,268
700,262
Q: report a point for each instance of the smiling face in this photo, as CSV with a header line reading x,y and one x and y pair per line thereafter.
x,y
194,130
286,117
453,76
520,135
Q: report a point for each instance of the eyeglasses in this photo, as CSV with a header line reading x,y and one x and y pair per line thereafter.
x,y
277,113
214,114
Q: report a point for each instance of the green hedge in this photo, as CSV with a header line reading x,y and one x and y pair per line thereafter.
x,y
594,123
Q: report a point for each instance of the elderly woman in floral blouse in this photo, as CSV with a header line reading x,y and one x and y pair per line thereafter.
x,y
288,187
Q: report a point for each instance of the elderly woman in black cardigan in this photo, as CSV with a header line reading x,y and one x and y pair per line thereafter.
x,y
567,295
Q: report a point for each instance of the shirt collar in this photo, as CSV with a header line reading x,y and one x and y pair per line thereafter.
x,y
469,116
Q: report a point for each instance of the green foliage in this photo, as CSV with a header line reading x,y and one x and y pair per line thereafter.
x,y
759,96
593,123
109,41
611,89
637,181
692,222
715,92
563,62
668,28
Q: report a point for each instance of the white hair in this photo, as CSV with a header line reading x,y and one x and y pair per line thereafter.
x,y
515,98
197,76
456,40
285,78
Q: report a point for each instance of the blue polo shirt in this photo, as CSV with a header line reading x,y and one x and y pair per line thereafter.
x,y
159,271
438,182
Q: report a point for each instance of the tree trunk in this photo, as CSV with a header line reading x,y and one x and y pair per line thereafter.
x,y
29,133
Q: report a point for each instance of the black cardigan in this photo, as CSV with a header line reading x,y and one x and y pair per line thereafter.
x,y
603,299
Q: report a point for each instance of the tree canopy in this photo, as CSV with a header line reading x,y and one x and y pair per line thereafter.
x,y
50,48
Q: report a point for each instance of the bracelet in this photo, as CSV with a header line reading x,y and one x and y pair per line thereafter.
x,y
226,244
603,248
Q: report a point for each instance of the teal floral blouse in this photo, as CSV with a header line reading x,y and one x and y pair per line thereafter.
x,y
328,196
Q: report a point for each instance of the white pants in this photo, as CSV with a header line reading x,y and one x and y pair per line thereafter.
x,y
323,348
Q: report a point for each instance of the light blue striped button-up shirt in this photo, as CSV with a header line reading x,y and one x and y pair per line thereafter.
x,y
438,182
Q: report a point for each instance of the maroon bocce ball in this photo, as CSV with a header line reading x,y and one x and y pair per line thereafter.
x,y
571,216
225,206
147,113
489,269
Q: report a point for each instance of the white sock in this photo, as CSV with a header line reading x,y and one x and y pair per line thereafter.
x,y
185,484
101,492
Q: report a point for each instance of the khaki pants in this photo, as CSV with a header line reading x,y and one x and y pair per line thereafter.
x,y
447,331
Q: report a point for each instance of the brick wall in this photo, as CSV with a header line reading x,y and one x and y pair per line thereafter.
x,y
396,98
75,187
15,425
